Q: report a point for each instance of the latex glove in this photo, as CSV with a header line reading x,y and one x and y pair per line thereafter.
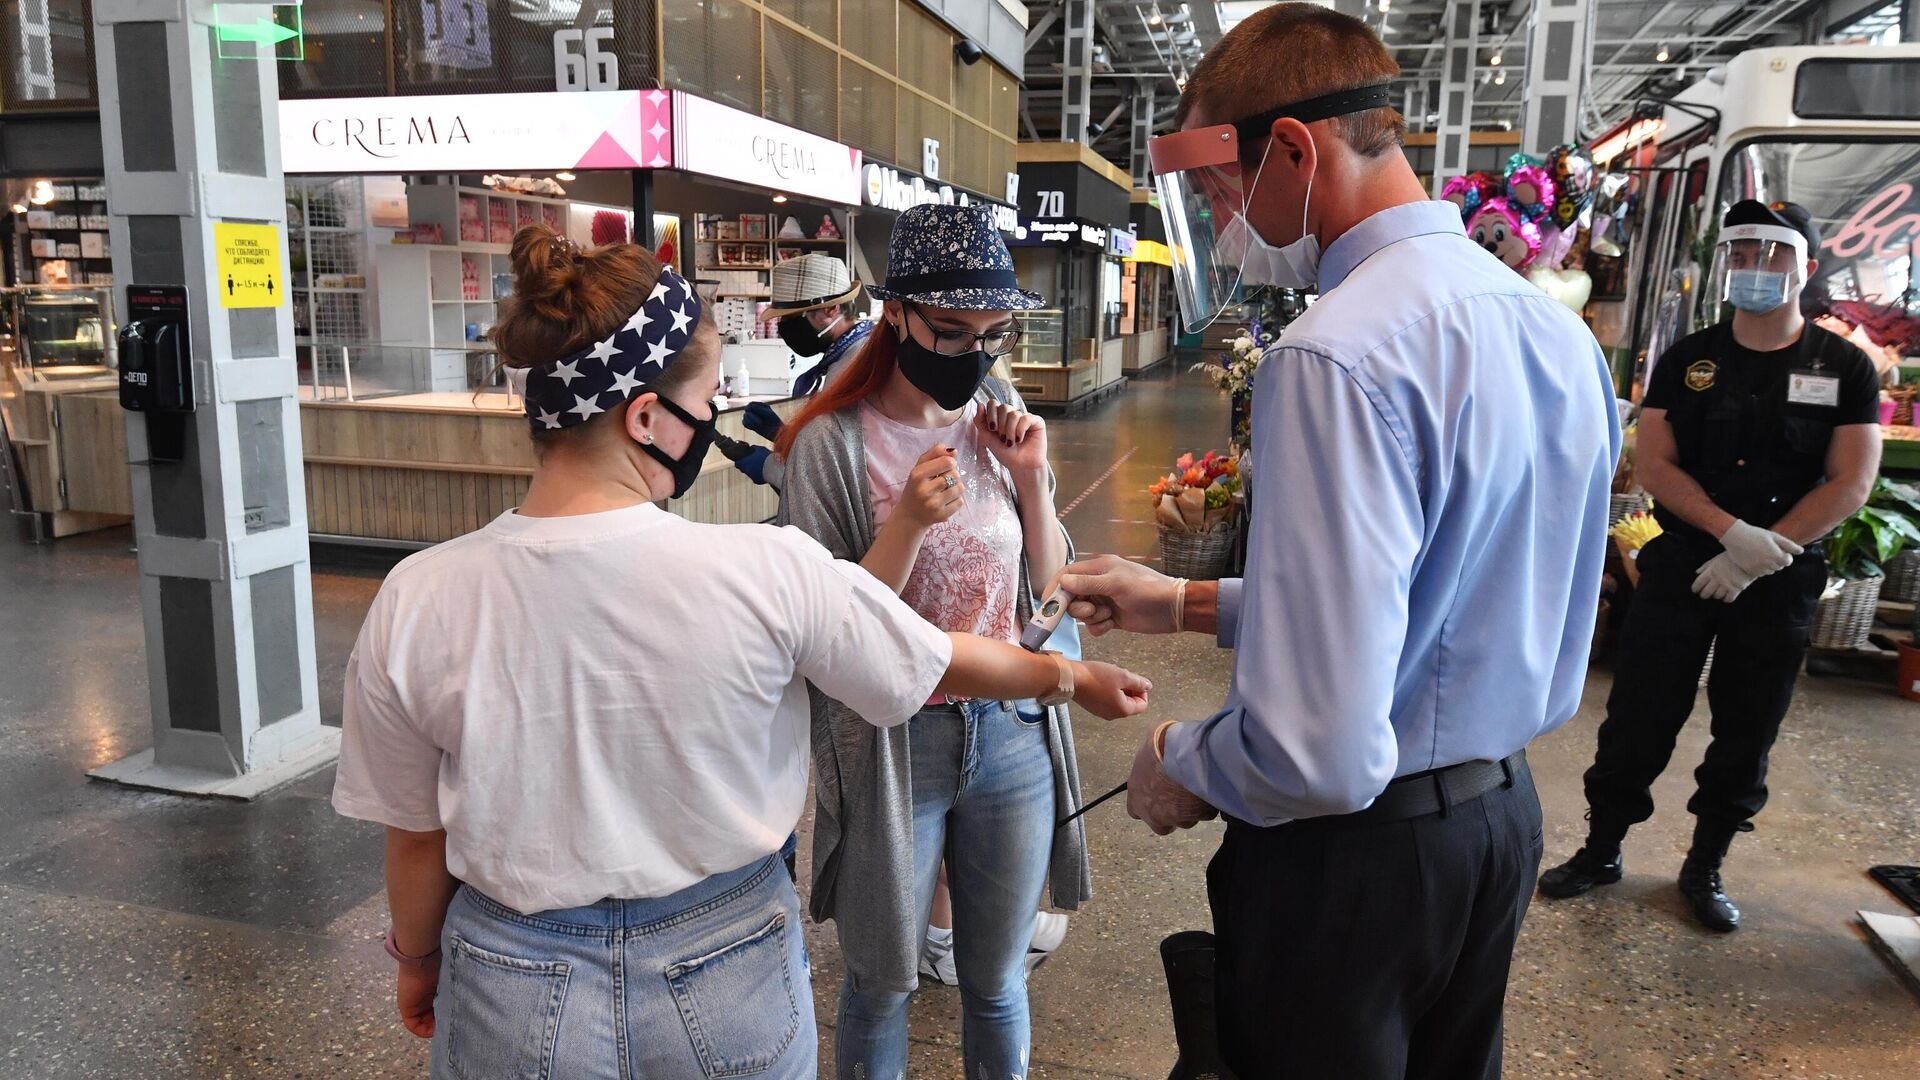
x,y
1758,551
760,419
1722,579
754,464
1154,797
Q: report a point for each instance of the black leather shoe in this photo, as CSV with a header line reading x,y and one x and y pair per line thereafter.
x,y
1579,874
1708,898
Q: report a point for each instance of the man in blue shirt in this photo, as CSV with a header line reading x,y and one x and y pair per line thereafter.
x,y
1434,442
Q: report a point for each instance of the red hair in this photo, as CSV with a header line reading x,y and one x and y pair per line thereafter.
x,y
866,373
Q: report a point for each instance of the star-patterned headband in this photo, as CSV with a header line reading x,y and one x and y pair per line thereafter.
x,y
575,388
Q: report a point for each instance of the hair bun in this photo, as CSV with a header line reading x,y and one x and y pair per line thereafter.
x,y
546,269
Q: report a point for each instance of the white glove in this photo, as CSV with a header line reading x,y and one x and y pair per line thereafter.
x,y
1722,579
1758,551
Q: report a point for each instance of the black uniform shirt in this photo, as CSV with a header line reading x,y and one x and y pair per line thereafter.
x,y
1752,428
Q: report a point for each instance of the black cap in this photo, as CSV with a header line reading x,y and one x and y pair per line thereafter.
x,y
1792,215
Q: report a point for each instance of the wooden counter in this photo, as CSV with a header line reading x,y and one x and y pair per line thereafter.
x,y
411,470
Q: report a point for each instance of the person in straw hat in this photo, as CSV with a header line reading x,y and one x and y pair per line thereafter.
x,y
813,297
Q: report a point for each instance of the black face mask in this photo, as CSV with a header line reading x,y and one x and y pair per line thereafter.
x,y
685,468
949,380
801,337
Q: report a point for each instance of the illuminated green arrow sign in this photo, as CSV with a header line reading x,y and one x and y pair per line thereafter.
x,y
261,32
254,36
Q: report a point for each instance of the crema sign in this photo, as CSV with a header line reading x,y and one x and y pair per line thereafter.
x,y
472,132
890,189
387,137
714,139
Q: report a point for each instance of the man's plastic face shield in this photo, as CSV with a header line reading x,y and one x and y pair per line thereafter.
x,y
1203,188
1773,249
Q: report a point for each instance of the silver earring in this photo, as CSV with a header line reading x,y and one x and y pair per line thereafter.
x,y
647,439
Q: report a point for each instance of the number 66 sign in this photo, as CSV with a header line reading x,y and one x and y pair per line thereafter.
x,y
584,59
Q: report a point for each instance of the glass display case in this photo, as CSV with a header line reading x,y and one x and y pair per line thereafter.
x,y
59,329
1043,337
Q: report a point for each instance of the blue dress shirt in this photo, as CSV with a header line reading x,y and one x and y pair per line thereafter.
x,y
1434,443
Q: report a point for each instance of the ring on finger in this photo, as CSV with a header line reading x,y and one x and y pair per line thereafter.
x,y
950,481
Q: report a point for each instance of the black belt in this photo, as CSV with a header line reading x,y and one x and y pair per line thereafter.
x,y
1438,791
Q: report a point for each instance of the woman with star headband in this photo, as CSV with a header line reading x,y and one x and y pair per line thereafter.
x,y
586,731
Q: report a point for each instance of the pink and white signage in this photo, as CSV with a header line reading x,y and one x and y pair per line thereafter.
x,y
720,141
621,129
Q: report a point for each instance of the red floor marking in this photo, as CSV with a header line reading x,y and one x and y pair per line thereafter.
x,y
1103,477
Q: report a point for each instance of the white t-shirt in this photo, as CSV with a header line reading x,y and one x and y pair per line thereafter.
x,y
613,704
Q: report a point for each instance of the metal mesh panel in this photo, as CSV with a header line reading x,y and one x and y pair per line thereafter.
x,y
803,86
966,160
47,55
918,119
1000,152
346,51
1006,104
867,109
712,48
820,17
472,46
926,53
973,90
867,29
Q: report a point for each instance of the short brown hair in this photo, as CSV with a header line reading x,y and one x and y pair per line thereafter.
x,y
1292,52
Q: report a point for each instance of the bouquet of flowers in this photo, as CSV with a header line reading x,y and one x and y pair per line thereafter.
x,y
1198,496
1233,374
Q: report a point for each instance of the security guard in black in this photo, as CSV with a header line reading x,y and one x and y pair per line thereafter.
x,y
1751,452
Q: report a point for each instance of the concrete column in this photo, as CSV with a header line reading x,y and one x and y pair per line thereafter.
x,y
1559,57
1142,129
1461,25
192,141
1076,69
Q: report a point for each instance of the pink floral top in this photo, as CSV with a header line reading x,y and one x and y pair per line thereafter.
x,y
968,570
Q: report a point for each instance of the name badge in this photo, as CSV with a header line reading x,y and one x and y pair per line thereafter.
x,y
1807,389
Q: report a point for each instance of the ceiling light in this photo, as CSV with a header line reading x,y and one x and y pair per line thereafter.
x,y
1500,79
1496,59
1154,19
19,208
42,193
1506,125
779,198
563,175
1662,56
1386,5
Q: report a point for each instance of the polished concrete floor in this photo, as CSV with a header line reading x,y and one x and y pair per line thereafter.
x,y
154,936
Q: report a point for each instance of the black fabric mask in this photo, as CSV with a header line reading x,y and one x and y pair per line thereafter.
x,y
801,337
949,380
685,468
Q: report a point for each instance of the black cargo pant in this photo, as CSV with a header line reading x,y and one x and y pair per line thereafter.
x,y
1758,642
1372,951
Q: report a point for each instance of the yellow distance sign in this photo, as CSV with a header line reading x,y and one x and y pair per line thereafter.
x,y
248,262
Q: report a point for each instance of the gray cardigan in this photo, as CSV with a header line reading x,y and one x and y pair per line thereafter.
x,y
863,822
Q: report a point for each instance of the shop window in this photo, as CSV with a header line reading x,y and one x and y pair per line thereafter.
x,y
483,46
712,48
49,53
867,30
803,87
346,50
821,18
867,109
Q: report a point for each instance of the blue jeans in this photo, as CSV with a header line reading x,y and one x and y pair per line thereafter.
x,y
983,799
711,981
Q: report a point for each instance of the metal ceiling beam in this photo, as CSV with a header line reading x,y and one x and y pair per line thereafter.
x,y
1039,29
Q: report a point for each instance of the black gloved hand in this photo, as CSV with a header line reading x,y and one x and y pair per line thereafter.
x,y
733,448
760,419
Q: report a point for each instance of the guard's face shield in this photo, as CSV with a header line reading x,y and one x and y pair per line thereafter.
x,y
1203,200
1758,268
1205,192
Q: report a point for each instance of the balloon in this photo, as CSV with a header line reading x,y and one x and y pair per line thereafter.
x,y
1506,233
1530,189
1572,170
1470,191
1570,287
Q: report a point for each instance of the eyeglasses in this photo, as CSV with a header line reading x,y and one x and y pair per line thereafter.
x,y
962,342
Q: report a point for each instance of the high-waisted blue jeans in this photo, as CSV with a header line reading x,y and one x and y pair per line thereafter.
x,y
983,799
711,981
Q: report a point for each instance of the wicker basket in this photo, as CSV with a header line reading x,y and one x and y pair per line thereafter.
x,y
1624,505
1202,556
1843,621
1903,577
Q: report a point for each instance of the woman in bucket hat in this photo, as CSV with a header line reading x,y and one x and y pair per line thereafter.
x,y
933,476
813,299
